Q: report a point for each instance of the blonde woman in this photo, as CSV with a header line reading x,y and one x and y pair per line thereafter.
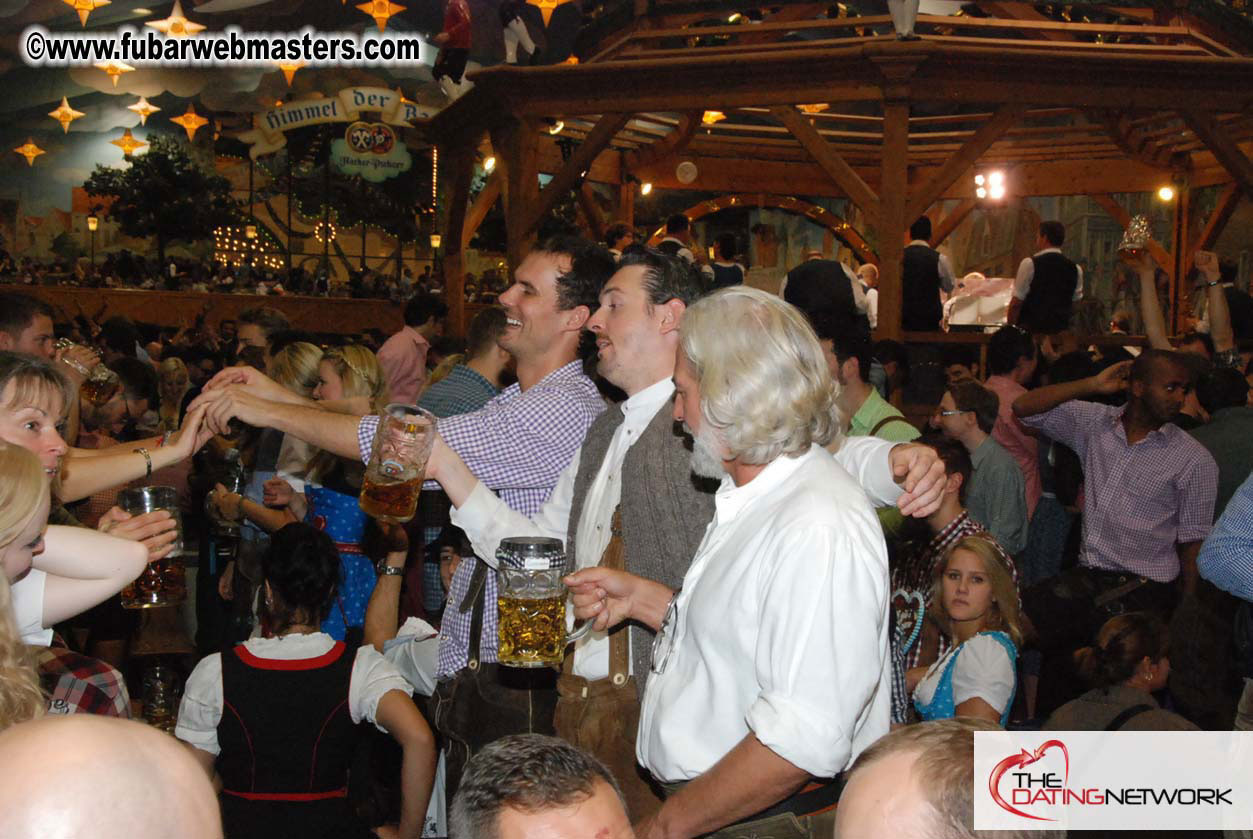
x,y
351,379
20,695
975,601
173,382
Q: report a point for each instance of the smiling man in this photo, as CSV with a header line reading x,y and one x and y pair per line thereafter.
x,y
518,444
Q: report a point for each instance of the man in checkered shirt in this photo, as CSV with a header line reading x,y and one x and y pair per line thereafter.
x,y
518,443
1149,497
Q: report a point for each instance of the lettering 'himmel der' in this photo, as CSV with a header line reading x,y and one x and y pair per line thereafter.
x,y
328,110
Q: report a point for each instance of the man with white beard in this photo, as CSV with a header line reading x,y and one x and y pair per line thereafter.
x,y
769,673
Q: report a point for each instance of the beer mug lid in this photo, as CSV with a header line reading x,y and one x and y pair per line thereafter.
x,y
518,549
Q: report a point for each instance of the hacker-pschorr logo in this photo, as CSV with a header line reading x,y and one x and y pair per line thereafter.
x,y
1035,784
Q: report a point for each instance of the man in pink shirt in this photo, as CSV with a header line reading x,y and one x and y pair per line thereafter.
x,y
403,356
1011,363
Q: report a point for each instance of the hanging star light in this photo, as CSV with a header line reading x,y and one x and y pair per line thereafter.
x,y
711,117
127,143
64,114
29,151
176,25
813,109
115,69
289,70
546,7
380,10
85,7
144,108
191,122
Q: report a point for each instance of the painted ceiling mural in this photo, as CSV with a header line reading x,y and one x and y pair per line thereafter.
x,y
225,96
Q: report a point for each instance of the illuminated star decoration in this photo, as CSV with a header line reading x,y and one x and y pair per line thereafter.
x,y
546,7
29,151
176,25
711,117
813,109
127,143
64,114
144,108
191,122
380,10
289,70
115,69
85,7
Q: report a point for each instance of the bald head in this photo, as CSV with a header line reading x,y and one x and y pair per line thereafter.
x,y
83,775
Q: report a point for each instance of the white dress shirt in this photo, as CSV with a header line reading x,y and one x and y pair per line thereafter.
x,y
872,306
27,597
781,629
1026,273
486,519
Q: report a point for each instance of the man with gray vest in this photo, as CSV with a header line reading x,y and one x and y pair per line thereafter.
x,y
1046,286
629,493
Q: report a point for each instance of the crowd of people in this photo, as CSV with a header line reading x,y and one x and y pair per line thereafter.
x,y
801,601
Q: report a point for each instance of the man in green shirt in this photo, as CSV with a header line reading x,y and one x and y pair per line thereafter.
x,y
865,412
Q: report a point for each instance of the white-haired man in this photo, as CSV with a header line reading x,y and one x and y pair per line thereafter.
x,y
769,674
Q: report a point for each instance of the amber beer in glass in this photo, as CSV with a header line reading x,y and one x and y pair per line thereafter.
x,y
398,456
162,583
100,384
531,599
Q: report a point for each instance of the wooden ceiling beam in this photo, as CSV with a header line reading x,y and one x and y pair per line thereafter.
x,y
1225,149
1223,210
1133,142
950,222
580,160
959,163
829,160
483,203
669,145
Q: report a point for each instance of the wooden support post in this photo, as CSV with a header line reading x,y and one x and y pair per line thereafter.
x,y
892,218
1180,304
950,222
517,142
830,161
963,159
483,203
459,163
1214,225
1226,151
626,202
565,180
591,211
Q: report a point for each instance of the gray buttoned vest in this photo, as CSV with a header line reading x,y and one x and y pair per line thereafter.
x,y
665,508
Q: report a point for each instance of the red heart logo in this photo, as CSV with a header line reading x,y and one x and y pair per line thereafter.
x,y
1025,758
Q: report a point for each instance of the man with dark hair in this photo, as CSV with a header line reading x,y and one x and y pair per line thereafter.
x,y
517,444
26,325
473,382
678,238
996,498
254,330
826,285
119,338
960,363
924,273
1228,436
918,783
618,238
528,785
1011,366
1148,499
403,355
864,411
1047,285
121,417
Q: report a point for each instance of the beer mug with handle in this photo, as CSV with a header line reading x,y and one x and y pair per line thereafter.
x,y
393,477
162,583
532,602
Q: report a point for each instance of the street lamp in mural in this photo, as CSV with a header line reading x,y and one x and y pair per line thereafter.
x,y
92,223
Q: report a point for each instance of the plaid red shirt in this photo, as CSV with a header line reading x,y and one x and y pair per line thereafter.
x,y
76,684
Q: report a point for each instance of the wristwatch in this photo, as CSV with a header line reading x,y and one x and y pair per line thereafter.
x,y
385,570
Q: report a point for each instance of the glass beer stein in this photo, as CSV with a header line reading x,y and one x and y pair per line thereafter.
x,y
393,477
162,583
100,384
532,601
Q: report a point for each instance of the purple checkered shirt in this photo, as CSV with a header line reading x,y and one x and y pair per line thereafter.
x,y
517,445
1140,500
